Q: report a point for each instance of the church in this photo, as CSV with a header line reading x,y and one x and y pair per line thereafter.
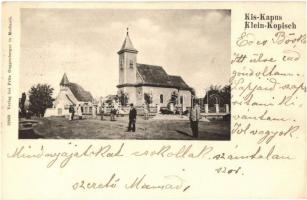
x,y
71,94
139,80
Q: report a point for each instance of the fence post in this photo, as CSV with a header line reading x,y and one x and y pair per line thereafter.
x,y
227,108
217,108
206,108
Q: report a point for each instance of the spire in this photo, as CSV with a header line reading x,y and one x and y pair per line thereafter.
x,y
64,80
127,45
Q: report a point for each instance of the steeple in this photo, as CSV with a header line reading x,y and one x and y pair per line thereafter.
x,y
127,62
64,80
127,45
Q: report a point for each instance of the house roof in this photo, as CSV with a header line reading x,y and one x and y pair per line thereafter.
x,y
80,93
127,45
154,75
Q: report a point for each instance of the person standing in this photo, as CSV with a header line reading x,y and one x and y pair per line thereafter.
x,y
79,111
101,111
194,119
180,111
71,112
104,108
132,118
111,113
183,109
145,107
112,116
158,108
116,106
94,111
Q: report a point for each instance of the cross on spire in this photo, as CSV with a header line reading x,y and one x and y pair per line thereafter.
x,y
127,30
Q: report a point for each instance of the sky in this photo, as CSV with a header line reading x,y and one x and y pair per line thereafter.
x,y
194,44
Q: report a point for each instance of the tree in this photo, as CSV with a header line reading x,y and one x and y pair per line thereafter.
x,y
193,92
123,98
226,95
40,97
218,95
147,98
22,110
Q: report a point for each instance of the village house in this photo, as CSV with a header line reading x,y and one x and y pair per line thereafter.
x,y
71,94
138,80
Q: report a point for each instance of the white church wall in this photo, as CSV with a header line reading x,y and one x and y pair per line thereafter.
x,y
166,92
62,98
59,110
136,95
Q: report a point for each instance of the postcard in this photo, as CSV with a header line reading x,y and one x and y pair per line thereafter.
x,y
173,100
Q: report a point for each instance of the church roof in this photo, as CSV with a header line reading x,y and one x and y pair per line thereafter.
x,y
64,80
178,81
79,93
127,45
156,76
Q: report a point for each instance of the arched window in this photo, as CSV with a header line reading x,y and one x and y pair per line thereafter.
x,y
161,98
181,100
131,64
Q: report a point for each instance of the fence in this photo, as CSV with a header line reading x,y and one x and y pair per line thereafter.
x,y
124,110
215,109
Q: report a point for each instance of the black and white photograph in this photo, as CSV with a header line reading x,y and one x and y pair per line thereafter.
x,y
152,74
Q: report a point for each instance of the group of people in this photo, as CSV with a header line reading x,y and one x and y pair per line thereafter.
x,y
113,112
73,110
194,116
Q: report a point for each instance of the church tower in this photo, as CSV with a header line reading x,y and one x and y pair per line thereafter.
x,y
127,62
64,82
